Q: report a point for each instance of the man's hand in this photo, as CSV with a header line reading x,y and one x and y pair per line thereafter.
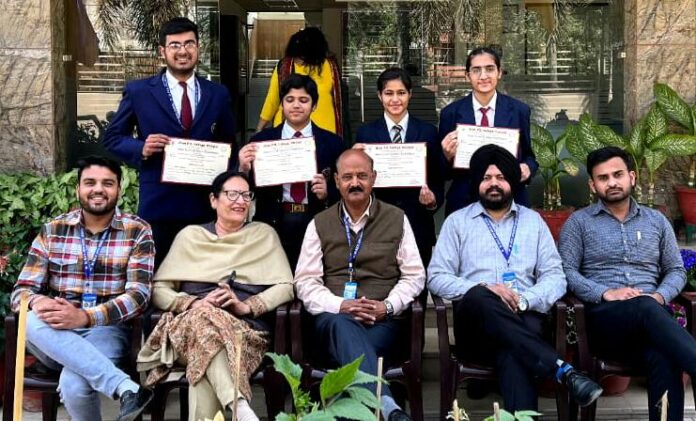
x,y
60,314
364,310
155,143
509,297
360,146
621,294
427,197
526,172
319,187
246,156
658,297
449,145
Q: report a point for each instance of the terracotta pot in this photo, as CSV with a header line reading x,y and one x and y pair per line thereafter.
x,y
555,219
686,196
614,385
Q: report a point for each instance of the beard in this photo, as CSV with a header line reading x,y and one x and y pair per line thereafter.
x,y
612,196
99,210
495,203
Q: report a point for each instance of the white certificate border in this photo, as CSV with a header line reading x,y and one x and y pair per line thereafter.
x,y
316,164
178,183
519,145
425,158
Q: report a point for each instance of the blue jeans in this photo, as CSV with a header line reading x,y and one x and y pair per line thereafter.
x,y
86,359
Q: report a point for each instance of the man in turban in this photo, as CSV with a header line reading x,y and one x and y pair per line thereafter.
x,y
497,262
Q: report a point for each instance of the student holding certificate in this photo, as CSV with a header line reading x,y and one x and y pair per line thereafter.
x,y
397,126
487,107
288,206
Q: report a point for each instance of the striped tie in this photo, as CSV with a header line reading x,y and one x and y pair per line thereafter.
x,y
397,134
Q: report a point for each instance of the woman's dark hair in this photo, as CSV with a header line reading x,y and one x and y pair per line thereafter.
x,y
482,50
297,81
309,45
98,161
601,155
394,73
222,178
177,26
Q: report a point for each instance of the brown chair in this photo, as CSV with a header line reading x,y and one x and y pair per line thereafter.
x,y
597,367
47,383
454,371
409,373
274,385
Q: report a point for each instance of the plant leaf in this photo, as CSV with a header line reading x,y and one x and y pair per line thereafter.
x,y
541,136
673,106
655,123
285,417
337,380
527,413
654,159
574,144
586,132
570,166
291,371
636,137
318,416
364,396
544,156
609,137
363,378
675,144
351,409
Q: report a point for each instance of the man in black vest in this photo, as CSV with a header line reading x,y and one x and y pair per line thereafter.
x,y
358,270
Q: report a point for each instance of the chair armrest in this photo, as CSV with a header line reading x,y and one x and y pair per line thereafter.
x,y
584,357
417,331
442,330
136,325
280,341
559,312
296,331
10,358
689,303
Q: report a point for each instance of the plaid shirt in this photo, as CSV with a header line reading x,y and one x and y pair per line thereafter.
x,y
122,276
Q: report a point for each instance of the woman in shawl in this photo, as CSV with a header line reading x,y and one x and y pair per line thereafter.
x,y
215,285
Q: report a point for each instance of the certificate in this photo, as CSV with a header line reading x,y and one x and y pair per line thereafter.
x,y
285,161
470,138
398,164
197,162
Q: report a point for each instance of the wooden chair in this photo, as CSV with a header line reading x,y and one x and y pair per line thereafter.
x,y
597,367
454,371
408,373
274,385
47,383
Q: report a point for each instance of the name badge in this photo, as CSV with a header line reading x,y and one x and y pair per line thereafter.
x,y
510,280
351,291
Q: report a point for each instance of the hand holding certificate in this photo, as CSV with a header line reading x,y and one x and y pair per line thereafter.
x,y
285,161
471,138
193,161
398,164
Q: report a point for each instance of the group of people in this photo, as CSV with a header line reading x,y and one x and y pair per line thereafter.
x,y
229,254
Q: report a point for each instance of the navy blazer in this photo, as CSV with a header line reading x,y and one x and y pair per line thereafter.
x,y
421,219
268,199
509,112
147,107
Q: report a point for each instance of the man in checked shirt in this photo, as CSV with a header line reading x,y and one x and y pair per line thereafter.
x,y
89,271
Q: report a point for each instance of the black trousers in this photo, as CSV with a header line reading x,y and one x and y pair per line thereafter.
x,y
488,332
291,230
643,332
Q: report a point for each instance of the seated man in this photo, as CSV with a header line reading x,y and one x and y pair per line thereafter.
x,y
359,269
623,261
88,271
290,207
498,263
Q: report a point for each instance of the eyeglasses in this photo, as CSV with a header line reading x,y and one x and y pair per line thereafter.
x,y
188,46
233,195
478,71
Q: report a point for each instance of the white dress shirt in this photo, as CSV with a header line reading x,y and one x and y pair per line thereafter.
x,y
390,126
478,115
177,92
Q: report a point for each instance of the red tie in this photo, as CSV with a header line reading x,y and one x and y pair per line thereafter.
x,y
484,118
298,191
186,112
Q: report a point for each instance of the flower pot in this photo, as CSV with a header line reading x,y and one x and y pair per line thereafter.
x,y
614,385
686,196
555,219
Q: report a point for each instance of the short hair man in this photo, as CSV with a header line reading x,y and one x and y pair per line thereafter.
x,y
173,103
290,207
358,271
622,260
88,271
498,263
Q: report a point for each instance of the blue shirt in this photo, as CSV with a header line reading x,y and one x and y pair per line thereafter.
x,y
466,255
600,253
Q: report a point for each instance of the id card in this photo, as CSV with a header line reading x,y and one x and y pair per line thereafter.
x,y
351,291
510,280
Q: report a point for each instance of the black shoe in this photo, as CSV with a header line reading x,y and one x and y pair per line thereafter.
x,y
398,415
132,404
583,389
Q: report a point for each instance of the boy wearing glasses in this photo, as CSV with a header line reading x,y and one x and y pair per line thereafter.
x,y
173,103
484,106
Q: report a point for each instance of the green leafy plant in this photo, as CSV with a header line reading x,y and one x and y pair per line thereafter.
x,y
551,165
26,202
678,111
341,392
517,416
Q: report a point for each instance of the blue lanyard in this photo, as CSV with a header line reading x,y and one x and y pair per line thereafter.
x,y
87,265
506,254
197,95
352,252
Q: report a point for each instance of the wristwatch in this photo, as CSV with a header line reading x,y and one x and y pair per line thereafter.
x,y
390,309
522,304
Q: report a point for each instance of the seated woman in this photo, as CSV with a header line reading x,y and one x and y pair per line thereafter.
x,y
215,284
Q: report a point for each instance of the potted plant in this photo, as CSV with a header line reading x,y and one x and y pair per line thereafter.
x,y
552,166
689,259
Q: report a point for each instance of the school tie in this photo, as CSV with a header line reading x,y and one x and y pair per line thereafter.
x,y
298,191
484,118
397,134
186,112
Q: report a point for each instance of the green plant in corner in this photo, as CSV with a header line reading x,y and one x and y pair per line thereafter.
x,y
551,165
677,110
341,393
517,416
